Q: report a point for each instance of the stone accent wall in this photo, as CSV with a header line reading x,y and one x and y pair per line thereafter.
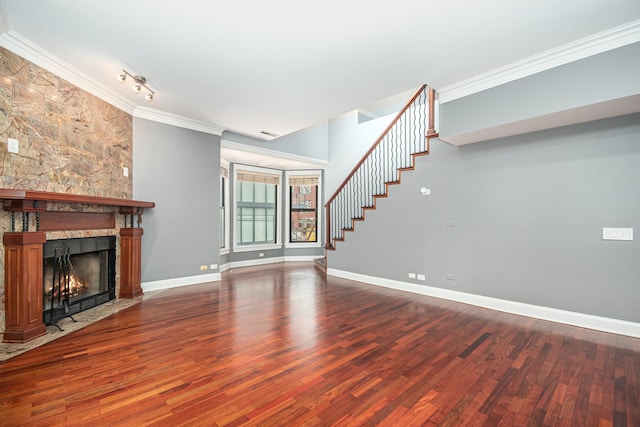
x,y
70,142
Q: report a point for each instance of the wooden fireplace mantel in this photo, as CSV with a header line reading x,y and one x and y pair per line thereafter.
x,y
23,251
21,200
27,201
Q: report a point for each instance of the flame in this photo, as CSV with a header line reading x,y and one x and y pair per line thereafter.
x,y
76,288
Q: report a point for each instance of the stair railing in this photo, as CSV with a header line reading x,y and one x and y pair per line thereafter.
x,y
406,136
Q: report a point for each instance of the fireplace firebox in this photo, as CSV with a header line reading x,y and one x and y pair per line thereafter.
x,y
78,274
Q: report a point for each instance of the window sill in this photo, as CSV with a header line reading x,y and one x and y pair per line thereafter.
x,y
224,251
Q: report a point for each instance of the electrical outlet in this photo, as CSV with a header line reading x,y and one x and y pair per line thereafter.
x,y
422,277
412,275
203,267
617,233
213,266
261,254
125,171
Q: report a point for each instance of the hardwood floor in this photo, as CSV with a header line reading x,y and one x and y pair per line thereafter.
x,y
282,345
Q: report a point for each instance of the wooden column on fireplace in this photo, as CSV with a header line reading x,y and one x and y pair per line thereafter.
x,y
23,286
23,251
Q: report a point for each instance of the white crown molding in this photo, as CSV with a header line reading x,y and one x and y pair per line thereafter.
x,y
601,42
23,47
588,321
272,153
34,53
175,120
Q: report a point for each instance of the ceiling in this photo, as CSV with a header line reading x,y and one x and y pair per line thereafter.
x,y
282,65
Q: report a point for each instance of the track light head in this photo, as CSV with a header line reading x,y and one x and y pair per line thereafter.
x,y
140,79
122,76
149,97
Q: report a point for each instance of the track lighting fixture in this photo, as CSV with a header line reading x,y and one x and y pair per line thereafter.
x,y
139,83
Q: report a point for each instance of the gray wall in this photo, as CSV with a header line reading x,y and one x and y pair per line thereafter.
x,y
348,141
310,142
179,169
518,218
596,79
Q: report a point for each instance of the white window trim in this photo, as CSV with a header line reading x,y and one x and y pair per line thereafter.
x,y
227,224
288,244
259,247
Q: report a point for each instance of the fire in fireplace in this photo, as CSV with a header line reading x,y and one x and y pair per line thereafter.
x,y
78,274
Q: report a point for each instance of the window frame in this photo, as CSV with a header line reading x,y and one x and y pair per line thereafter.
x,y
319,210
225,247
238,168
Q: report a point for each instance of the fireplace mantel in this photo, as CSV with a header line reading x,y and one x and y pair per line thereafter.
x,y
23,250
15,200
27,201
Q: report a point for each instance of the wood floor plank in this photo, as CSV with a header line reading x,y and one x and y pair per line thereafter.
x,y
284,345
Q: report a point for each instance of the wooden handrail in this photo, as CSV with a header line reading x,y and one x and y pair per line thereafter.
x,y
375,144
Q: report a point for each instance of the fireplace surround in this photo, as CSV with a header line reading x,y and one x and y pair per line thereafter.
x,y
34,214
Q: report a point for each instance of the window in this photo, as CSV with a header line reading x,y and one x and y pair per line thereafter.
x,y
256,207
303,220
224,201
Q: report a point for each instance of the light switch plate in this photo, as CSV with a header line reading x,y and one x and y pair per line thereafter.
x,y
13,146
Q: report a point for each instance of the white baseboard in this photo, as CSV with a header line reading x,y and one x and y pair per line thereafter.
x,y
214,277
605,324
257,261
301,258
180,281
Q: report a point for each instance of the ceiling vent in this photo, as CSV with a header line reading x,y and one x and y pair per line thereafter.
x,y
269,134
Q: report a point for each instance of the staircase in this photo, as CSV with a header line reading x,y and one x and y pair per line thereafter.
x,y
394,152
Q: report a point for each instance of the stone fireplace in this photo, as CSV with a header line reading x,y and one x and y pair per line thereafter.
x,y
39,287
72,146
